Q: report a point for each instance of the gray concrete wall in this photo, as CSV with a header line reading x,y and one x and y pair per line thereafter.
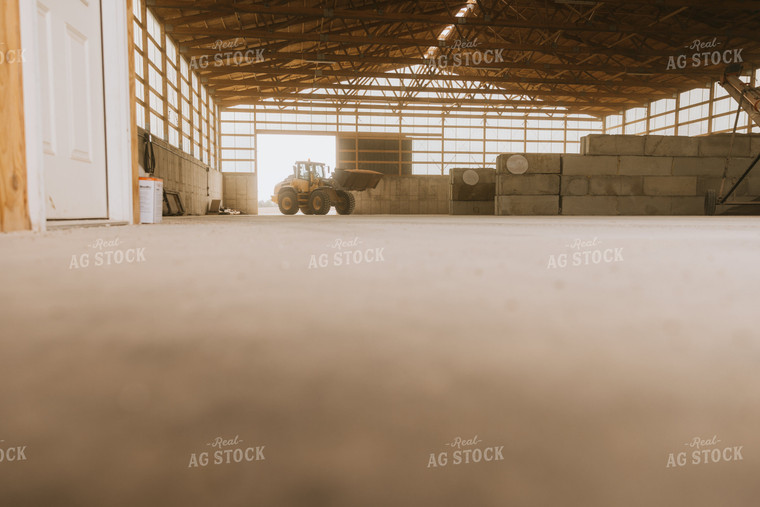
x,y
412,194
241,192
196,182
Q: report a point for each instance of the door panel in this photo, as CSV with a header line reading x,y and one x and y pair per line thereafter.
x,y
71,71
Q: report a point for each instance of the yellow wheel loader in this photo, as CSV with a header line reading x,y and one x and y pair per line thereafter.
x,y
313,190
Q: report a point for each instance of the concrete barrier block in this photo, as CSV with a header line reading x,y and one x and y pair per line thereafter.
x,y
753,186
574,185
616,185
544,163
483,192
538,163
671,146
414,187
392,186
719,145
482,175
230,185
501,162
528,184
471,207
646,166
687,205
737,166
755,145
404,186
477,184
705,184
601,144
589,205
241,190
589,165
644,205
670,185
424,191
527,205
698,166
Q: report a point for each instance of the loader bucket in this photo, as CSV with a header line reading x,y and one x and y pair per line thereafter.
x,y
356,179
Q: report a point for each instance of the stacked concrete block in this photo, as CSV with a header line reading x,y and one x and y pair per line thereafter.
x,y
624,184
405,195
527,184
653,175
472,191
627,175
241,193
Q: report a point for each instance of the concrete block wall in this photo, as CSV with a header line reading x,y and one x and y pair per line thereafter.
x,y
527,184
241,192
407,194
472,191
629,175
196,182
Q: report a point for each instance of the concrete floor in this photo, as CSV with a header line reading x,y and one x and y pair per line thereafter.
x,y
351,376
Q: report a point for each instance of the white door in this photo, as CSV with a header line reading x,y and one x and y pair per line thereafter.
x,y
71,82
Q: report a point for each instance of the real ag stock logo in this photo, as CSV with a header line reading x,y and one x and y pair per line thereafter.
x,y
227,452
704,451
585,253
346,253
11,454
227,54
106,254
704,54
464,51
465,452
11,56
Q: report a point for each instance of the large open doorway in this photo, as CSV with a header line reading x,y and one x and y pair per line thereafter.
x,y
276,155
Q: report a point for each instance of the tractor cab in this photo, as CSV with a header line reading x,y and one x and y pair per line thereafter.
x,y
310,171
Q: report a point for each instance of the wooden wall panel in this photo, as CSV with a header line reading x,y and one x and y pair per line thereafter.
x,y
14,205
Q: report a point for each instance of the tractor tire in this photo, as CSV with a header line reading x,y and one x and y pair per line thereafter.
x,y
711,200
319,202
288,202
305,210
346,203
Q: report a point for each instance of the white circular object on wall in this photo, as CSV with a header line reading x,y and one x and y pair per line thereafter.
x,y
470,177
517,164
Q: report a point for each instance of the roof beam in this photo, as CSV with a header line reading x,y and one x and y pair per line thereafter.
x,y
403,17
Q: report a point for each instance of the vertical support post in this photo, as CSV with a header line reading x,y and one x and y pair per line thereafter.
x,y
14,200
133,113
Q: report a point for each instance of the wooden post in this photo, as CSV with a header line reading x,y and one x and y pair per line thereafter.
x,y
133,114
14,203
